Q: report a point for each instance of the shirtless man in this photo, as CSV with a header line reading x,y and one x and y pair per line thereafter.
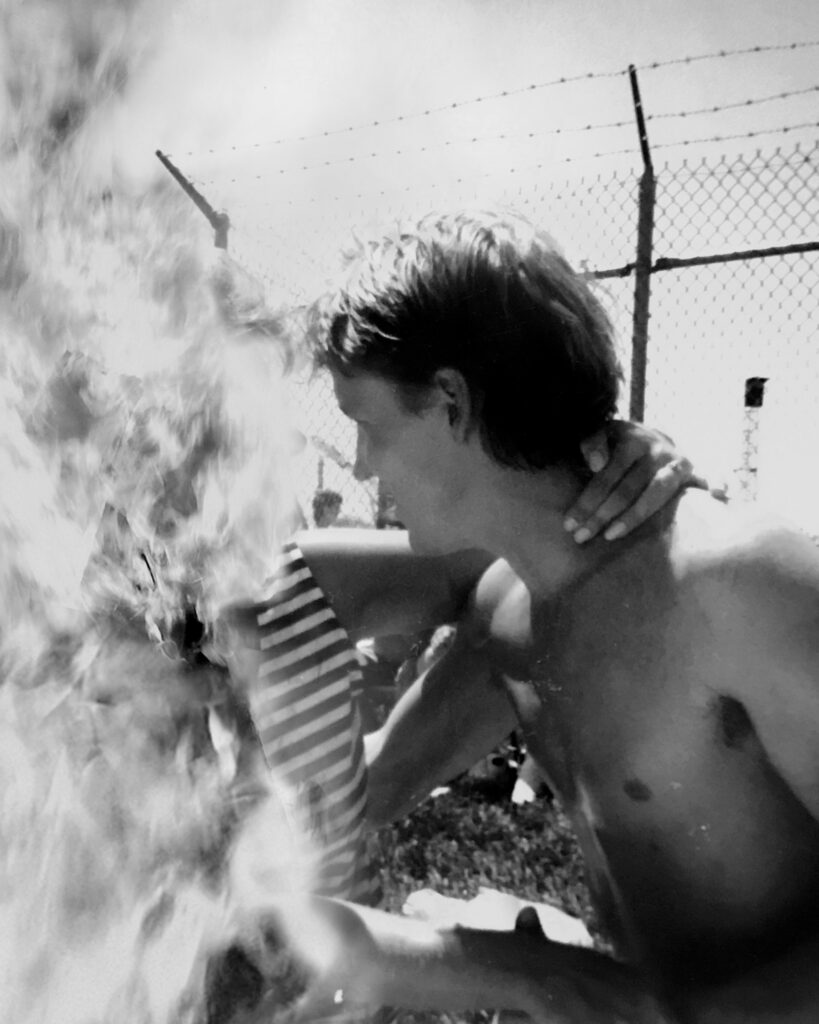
x,y
666,684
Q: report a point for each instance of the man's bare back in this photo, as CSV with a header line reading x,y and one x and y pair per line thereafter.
x,y
653,693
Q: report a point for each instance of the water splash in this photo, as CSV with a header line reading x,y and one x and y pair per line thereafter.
x,y
144,452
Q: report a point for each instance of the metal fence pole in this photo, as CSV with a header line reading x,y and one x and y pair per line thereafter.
x,y
642,270
219,221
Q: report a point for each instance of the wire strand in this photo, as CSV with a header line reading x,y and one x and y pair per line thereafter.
x,y
735,106
507,136
456,105
524,170
784,129
505,94
718,54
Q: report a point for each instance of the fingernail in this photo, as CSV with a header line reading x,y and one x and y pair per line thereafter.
x,y
615,531
570,525
582,535
596,461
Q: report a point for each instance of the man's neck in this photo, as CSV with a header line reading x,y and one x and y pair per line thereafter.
x,y
523,517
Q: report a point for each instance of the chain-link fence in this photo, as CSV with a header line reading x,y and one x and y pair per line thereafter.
x,y
734,294
716,325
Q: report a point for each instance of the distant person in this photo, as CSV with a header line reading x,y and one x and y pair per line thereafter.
x,y
326,507
666,684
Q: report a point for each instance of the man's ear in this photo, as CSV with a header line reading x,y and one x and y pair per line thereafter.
x,y
454,394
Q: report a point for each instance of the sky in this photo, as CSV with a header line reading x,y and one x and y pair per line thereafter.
x,y
304,119
232,78
271,109
327,64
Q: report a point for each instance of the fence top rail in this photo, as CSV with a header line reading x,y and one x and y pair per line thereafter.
x,y
672,263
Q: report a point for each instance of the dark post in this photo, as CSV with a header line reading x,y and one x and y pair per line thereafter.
x,y
754,397
755,392
220,222
385,511
642,274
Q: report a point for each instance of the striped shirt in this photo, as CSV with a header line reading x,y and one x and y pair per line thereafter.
x,y
304,707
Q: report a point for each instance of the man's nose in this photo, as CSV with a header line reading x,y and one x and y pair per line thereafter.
x,y
361,469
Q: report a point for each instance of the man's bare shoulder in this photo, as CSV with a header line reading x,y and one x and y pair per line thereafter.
x,y
498,585
755,579
751,549
500,607
775,572
757,590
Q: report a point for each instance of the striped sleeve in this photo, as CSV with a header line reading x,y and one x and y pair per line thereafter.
x,y
304,708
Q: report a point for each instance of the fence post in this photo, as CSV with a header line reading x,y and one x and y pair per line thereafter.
x,y
642,271
220,222
384,511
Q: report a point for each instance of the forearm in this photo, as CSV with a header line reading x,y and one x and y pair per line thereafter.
x,y
393,790
399,781
447,720
418,967
465,969
378,586
400,778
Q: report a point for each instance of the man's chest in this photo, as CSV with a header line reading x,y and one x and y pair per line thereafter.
x,y
609,683
627,722
675,803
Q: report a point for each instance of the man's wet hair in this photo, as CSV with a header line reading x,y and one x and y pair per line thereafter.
x,y
493,298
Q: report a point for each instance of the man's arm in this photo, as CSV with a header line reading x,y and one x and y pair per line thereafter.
x,y
360,958
449,718
379,587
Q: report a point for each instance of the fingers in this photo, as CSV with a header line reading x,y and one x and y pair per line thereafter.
x,y
667,482
595,451
642,491
641,471
527,921
589,513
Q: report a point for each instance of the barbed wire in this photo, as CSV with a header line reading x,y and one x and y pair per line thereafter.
x,y
512,136
654,65
380,122
503,94
734,106
739,135
630,150
421,186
